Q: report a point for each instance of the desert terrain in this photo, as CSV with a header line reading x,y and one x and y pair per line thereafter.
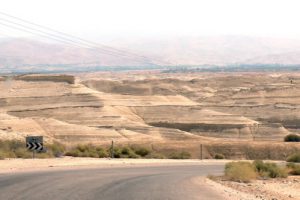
x,y
149,100
151,107
238,115
260,189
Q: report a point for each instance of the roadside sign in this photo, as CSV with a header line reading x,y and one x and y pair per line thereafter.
x,y
34,143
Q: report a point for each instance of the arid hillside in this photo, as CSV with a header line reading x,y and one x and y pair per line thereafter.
x,y
129,107
26,55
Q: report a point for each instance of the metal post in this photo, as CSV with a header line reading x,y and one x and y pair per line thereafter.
x,y
112,149
201,152
33,154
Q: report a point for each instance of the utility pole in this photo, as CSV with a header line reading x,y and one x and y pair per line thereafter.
x,y
201,151
112,149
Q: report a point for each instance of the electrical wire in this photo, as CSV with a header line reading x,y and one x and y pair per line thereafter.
x,y
67,38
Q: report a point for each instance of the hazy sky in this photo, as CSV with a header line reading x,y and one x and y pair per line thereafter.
x,y
96,18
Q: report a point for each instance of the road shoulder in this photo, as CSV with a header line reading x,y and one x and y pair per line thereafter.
x,y
23,165
271,189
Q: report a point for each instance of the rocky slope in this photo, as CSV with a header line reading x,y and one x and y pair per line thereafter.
x,y
101,110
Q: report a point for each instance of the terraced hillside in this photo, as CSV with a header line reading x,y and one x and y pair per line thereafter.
x,y
258,106
197,108
73,113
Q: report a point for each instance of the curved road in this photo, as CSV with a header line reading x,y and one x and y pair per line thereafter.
x,y
132,183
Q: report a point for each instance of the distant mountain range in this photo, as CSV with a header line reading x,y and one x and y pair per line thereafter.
x,y
25,54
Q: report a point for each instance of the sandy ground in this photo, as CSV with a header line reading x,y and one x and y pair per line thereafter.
x,y
227,192
272,189
20,165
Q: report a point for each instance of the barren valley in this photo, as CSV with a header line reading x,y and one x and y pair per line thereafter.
x,y
152,108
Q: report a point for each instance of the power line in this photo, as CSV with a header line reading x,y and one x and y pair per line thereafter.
x,y
33,33
42,34
74,39
52,30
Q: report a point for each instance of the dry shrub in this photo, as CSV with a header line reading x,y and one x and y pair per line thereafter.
x,y
87,150
219,156
246,171
141,151
57,149
180,155
294,158
269,170
253,152
293,169
2,155
240,171
292,138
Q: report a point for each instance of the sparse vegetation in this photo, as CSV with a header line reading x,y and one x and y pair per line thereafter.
x,y
240,171
219,156
2,155
180,155
17,149
246,171
294,158
127,152
155,155
13,149
252,152
57,149
87,151
142,151
269,170
292,138
124,152
119,152
22,153
293,169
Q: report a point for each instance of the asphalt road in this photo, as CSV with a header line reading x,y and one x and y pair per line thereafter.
x,y
128,183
